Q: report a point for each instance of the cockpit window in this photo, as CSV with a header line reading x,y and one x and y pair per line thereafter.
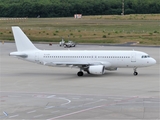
x,y
145,56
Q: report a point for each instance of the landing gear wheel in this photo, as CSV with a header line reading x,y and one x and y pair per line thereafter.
x,y
80,73
135,73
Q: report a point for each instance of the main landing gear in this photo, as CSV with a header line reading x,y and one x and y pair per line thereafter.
x,y
80,73
135,72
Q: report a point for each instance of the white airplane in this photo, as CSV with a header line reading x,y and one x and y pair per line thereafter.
x,y
91,61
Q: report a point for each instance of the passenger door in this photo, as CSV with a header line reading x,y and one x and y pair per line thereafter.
x,y
133,57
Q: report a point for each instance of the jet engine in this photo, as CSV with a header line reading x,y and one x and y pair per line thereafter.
x,y
96,69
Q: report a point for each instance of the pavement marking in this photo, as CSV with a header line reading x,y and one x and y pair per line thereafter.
x,y
51,96
94,102
89,98
80,111
13,96
55,111
5,113
13,116
47,93
49,107
91,108
31,111
86,104
66,102
112,97
38,116
71,107
91,103
75,98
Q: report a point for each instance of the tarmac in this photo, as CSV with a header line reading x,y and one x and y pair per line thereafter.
x,y
30,91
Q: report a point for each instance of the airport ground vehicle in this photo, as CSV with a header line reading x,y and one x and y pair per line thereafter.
x,y
69,44
61,43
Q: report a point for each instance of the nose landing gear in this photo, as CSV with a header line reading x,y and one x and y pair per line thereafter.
x,y
135,72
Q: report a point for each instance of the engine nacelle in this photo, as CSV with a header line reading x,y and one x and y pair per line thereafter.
x,y
111,69
96,69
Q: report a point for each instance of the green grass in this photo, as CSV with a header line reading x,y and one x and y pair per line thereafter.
x,y
89,29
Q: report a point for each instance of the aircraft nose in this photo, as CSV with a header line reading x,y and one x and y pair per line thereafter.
x,y
153,61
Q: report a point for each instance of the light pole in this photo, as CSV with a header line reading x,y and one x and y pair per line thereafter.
x,y
122,7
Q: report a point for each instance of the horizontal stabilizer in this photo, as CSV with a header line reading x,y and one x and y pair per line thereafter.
x,y
18,54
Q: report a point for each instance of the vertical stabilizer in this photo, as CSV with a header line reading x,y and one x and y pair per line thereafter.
x,y
22,41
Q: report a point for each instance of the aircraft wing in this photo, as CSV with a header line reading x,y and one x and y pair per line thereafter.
x,y
79,64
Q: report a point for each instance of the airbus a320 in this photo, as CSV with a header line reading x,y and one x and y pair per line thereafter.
x,y
91,61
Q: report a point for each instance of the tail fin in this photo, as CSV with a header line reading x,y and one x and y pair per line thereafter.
x,y
22,41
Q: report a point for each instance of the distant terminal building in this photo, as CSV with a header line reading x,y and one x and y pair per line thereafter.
x,y
77,16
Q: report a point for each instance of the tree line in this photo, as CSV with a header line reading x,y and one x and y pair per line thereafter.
x,y
67,8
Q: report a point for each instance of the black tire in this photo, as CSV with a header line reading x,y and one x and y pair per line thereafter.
x,y
80,73
135,73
